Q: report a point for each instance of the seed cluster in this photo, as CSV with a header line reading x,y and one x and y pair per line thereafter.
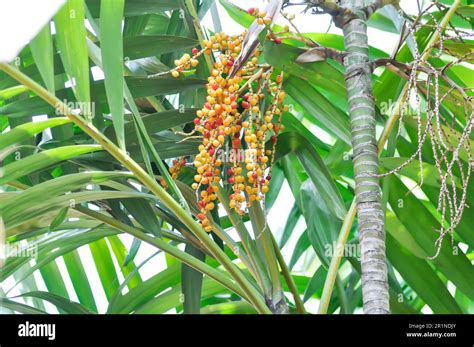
x,y
241,114
186,61
240,120
175,169
261,16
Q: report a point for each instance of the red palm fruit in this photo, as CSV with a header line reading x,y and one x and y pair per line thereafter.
x,y
201,216
194,51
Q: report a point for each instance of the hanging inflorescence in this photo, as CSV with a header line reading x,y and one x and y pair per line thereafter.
x,y
448,134
239,124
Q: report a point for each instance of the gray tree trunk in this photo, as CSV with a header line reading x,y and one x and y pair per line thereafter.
x,y
365,158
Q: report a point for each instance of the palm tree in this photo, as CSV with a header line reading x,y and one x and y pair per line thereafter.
x,y
122,157
365,155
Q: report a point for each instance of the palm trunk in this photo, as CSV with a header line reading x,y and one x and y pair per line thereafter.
x,y
365,158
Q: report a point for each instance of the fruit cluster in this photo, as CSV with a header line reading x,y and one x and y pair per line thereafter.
x,y
242,114
234,116
260,15
186,62
175,169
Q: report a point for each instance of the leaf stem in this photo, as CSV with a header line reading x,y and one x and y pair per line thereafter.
x,y
288,278
336,259
248,243
261,231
